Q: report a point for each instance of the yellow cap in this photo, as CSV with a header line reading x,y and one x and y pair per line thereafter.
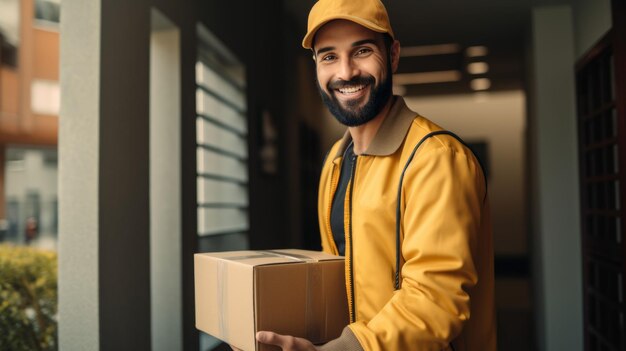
x,y
370,14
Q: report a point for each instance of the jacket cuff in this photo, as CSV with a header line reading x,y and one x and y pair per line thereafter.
x,y
346,342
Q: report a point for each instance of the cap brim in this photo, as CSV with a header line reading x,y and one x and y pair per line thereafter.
x,y
307,42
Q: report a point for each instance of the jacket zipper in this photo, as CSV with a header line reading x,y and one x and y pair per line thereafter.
x,y
333,189
351,256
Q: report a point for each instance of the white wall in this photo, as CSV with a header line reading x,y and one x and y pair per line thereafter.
x,y
499,119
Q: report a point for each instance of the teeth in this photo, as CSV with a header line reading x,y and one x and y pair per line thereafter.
x,y
351,90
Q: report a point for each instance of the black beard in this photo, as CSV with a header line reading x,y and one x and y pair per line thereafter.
x,y
353,116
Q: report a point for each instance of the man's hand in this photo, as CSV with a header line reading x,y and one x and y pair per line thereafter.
x,y
285,342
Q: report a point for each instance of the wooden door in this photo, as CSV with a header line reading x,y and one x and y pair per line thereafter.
x,y
601,106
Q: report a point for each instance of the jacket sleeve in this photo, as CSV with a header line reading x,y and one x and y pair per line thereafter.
x,y
346,342
443,197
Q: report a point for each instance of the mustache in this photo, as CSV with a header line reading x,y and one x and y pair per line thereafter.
x,y
358,80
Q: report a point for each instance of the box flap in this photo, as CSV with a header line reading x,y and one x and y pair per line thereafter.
x,y
268,257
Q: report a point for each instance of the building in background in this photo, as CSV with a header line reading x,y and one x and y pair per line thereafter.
x,y
29,114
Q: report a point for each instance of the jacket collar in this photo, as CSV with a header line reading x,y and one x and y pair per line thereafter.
x,y
390,134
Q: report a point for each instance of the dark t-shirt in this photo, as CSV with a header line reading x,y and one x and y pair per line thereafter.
x,y
337,211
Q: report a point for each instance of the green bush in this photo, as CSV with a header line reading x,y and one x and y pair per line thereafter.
x,y
28,299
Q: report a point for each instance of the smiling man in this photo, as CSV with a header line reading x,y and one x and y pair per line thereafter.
x,y
404,201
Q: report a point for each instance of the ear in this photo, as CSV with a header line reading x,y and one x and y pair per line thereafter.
x,y
395,55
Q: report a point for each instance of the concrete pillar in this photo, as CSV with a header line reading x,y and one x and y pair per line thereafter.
x,y
556,242
165,185
78,176
104,241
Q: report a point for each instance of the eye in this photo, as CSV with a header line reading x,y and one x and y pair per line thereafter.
x,y
363,52
328,58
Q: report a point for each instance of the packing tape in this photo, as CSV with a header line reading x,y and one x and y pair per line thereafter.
x,y
221,278
247,257
272,253
292,256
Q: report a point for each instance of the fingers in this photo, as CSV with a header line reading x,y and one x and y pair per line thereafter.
x,y
234,348
285,342
271,338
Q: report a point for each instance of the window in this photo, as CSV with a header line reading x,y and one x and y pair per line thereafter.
x,y
31,197
9,32
48,10
45,97
10,21
222,144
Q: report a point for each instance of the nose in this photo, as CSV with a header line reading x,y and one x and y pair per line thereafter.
x,y
347,69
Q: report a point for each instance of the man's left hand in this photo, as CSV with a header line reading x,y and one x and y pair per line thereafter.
x,y
285,342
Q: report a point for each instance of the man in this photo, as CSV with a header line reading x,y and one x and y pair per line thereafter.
x,y
404,201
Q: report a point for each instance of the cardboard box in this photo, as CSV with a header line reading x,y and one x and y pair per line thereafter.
x,y
294,292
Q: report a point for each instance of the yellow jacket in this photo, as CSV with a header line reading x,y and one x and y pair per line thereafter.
x,y
445,300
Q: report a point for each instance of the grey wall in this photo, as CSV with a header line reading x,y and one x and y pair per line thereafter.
x,y
123,185
560,35
165,185
556,227
592,19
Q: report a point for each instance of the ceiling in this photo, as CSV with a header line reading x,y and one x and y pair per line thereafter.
x,y
434,21
501,25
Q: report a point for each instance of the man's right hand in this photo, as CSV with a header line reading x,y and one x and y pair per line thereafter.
x,y
285,342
